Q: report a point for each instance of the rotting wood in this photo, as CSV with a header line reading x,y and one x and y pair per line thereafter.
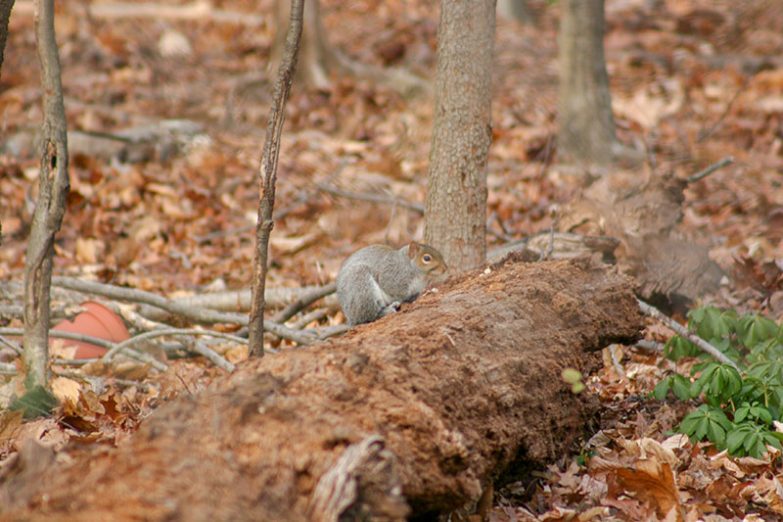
x,y
461,387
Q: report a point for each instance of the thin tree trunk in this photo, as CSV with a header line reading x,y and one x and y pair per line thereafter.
x,y
267,176
317,58
50,208
5,15
457,193
585,105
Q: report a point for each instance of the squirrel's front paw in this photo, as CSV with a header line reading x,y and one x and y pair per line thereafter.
x,y
391,308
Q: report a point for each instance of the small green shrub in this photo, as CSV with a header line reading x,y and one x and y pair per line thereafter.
x,y
738,407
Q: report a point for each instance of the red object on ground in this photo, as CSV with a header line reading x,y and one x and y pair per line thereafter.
x,y
96,321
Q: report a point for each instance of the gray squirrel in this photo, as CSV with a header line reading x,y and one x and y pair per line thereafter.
x,y
375,280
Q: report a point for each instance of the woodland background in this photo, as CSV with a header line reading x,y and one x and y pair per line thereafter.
x,y
692,81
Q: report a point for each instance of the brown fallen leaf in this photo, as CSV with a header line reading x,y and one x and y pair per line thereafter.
x,y
652,481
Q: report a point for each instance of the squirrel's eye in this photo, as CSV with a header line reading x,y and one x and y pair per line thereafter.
x,y
426,258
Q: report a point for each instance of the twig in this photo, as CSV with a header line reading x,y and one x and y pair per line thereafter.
x,y
315,315
303,302
728,160
12,345
650,346
103,343
684,332
213,356
235,300
616,361
373,198
330,331
545,254
193,313
704,134
74,362
267,176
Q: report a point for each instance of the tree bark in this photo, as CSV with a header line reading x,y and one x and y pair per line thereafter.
x,y
456,205
267,176
50,208
317,56
585,105
320,60
417,411
5,16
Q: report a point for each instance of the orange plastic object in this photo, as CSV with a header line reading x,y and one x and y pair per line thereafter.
x,y
96,321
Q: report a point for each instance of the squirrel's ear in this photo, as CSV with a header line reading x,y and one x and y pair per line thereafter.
x,y
413,249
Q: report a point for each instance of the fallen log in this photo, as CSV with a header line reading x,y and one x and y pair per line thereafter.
x,y
413,414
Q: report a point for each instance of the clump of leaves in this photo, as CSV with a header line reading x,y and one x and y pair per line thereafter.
x,y
739,407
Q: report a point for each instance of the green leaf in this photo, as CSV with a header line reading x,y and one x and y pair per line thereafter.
x,y
756,329
741,413
571,376
662,388
36,402
691,421
714,325
702,428
678,347
716,434
681,387
734,440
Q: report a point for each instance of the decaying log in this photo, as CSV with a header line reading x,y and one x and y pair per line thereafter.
x,y
415,413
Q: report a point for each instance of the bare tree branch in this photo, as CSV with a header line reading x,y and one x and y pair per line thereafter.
x,y
692,337
268,175
5,15
53,189
193,313
693,178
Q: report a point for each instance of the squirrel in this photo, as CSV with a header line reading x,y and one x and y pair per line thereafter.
x,y
375,280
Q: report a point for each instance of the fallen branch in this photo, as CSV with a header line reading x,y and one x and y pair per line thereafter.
x,y
305,300
315,315
373,198
728,160
12,345
210,354
199,315
103,343
684,332
226,301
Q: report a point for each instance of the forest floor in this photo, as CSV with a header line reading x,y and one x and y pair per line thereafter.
x,y
692,82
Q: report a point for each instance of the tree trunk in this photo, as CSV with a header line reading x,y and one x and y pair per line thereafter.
x,y
419,410
317,58
457,192
585,105
5,15
320,60
49,210
267,176
515,10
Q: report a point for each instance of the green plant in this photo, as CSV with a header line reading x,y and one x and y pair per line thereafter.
x,y
739,407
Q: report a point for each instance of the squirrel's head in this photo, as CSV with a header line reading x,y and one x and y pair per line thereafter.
x,y
427,259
